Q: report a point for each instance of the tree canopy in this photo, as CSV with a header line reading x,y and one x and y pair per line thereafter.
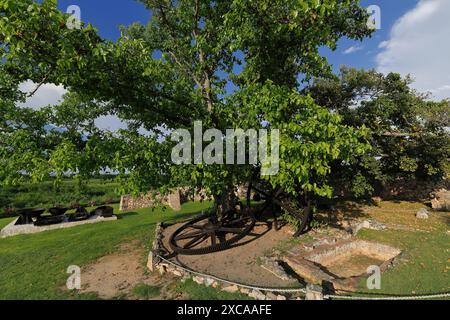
x,y
230,64
408,132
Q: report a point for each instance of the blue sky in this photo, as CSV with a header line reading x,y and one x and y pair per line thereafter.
x,y
413,40
107,16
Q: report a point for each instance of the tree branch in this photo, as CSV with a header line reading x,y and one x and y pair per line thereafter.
x,y
39,85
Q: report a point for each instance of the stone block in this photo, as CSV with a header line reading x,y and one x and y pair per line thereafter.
x,y
314,292
231,289
198,280
257,295
422,214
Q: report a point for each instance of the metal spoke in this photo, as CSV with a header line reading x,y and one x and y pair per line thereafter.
x,y
231,230
241,219
198,227
261,192
198,237
189,235
194,241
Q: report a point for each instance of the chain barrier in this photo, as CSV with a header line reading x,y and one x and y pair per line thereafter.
x,y
301,290
422,297
265,289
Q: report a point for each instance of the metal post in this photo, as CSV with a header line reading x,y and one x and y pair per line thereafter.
x,y
314,292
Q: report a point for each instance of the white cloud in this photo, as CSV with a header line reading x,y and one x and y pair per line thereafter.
x,y
47,94
50,94
110,123
353,49
383,44
419,46
113,123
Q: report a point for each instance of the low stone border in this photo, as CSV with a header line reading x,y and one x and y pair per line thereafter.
x,y
13,230
157,263
154,255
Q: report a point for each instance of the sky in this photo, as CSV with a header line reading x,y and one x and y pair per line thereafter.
x,y
413,39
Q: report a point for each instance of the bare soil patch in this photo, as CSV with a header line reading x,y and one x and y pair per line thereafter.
x,y
241,263
353,265
115,275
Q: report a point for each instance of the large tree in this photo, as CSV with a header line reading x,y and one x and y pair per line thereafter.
x,y
408,132
230,64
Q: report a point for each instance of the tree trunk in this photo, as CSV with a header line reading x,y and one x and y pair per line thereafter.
x,y
226,201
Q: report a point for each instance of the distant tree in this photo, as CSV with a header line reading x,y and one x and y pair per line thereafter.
x,y
409,133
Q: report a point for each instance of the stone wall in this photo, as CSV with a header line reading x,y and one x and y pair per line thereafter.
x,y
441,200
150,200
413,189
173,200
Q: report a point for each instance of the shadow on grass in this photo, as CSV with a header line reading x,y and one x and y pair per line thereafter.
x,y
126,215
345,211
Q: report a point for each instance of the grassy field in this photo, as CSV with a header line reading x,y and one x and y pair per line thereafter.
x,y
96,192
34,266
424,266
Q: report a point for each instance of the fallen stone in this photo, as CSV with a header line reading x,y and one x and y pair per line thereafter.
x,y
270,296
309,247
209,282
177,273
162,269
274,267
441,200
245,291
151,262
422,214
198,280
314,292
257,295
281,298
231,289
377,201
308,270
367,224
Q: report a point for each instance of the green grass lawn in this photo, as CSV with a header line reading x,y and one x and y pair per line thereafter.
x,y
34,266
424,267
201,292
96,192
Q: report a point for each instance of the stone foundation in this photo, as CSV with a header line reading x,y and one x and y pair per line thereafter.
x,y
156,264
441,200
342,264
13,230
150,200
173,200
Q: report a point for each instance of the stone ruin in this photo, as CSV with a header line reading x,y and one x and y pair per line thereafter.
x,y
342,264
150,200
174,200
441,200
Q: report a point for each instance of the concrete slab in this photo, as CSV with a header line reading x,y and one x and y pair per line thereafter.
x,y
13,230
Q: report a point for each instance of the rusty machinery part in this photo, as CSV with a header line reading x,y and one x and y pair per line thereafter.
x,y
208,234
277,201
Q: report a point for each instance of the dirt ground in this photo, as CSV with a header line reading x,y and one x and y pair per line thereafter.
x,y
239,264
115,275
